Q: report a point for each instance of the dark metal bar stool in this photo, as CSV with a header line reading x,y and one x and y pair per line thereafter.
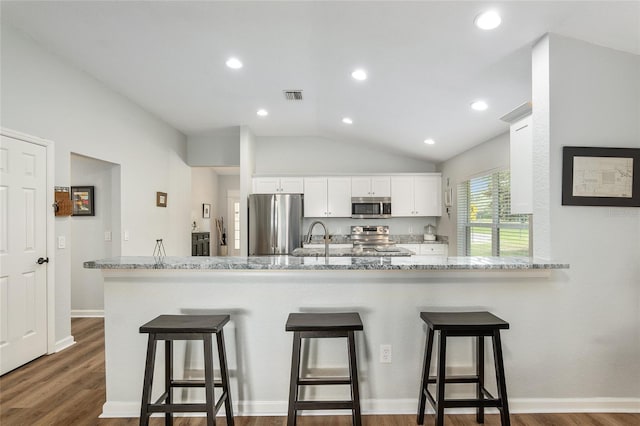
x,y
457,324
186,327
323,325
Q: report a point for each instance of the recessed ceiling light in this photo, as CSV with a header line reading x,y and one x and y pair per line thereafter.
x,y
488,20
359,74
429,141
479,105
234,63
347,120
262,112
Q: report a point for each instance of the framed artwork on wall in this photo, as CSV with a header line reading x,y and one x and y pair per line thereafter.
x,y
593,176
161,199
82,199
206,211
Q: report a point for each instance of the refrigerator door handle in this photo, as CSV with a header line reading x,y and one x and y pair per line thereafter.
x,y
274,224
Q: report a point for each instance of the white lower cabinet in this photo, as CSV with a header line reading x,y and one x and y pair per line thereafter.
x,y
427,249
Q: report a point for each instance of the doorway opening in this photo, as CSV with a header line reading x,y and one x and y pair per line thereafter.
x,y
93,237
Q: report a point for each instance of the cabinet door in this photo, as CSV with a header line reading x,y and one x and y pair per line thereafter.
x,y
402,196
339,197
266,185
361,186
381,186
315,197
434,249
428,194
521,157
415,248
291,185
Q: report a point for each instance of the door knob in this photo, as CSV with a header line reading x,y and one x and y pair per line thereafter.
x,y
42,260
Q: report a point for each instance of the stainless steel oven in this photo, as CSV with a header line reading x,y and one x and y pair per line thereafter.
x,y
370,207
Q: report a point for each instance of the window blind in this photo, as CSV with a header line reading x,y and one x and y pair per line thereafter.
x,y
486,226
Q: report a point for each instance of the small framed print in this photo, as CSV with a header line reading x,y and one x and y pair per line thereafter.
x,y
82,199
161,199
206,211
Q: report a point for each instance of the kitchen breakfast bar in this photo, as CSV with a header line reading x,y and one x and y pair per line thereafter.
x,y
258,293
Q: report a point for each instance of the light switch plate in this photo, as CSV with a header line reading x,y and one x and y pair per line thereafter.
x,y
62,242
107,235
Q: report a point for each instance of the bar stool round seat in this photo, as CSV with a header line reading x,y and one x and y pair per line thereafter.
x,y
463,324
323,325
186,327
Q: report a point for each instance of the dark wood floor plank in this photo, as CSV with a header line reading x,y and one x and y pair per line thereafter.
x,y
68,389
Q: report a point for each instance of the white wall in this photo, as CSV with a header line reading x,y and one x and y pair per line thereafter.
x,y
86,237
217,147
593,100
44,96
490,155
306,155
248,159
204,190
576,338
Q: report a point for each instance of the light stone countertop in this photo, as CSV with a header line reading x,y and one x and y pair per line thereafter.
x,y
406,263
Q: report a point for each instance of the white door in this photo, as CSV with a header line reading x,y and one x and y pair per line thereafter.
x,y
23,282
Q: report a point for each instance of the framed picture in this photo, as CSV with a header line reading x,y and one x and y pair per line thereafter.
x,y
206,211
161,199
82,199
594,176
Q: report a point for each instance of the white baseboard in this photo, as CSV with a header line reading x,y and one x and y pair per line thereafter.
x,y
574,405
87,313
64,344
410,406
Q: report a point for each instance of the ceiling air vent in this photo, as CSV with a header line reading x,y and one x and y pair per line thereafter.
x,y
293,95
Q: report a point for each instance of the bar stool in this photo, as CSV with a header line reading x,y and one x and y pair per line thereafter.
x,y
186,327
323,325
457,324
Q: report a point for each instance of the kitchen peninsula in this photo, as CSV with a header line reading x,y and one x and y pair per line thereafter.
x,y
259,293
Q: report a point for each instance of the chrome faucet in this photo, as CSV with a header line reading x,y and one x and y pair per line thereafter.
x,y
326,236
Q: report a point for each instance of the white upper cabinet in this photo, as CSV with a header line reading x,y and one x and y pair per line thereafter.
x,y
371,186
521,158
327,197
418,195
278,185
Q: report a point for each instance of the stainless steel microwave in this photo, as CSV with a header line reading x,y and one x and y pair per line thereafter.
x,y
370,207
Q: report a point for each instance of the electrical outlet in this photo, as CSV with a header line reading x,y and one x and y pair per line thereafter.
x,y
385,354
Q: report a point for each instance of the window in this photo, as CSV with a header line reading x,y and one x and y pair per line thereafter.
x,y
236,225
486,226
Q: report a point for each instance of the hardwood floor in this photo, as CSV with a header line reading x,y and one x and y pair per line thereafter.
x,y
68,388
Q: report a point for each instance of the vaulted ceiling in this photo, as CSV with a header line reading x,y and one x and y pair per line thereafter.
x,y
426,62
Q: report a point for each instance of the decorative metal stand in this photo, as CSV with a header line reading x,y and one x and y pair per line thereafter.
x,y
158,252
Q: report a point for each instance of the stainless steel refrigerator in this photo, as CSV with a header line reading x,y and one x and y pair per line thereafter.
x,y
275,223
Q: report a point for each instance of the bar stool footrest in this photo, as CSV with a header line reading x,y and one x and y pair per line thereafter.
x,y
324,381
193,383
455,379
490,401
324,405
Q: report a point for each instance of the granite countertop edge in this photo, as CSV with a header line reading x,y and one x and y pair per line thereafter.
x,y
378,263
